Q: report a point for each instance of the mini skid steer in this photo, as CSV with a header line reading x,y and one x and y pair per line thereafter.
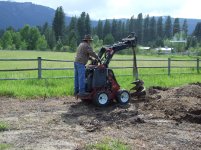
x,y
100,79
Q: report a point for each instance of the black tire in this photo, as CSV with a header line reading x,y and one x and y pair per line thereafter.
x,y
123,97
101,99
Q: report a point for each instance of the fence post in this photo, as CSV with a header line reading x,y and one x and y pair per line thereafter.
x,y
169,66
198,65
39,68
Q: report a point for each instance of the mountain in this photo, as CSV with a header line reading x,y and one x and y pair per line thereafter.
x,y
18,14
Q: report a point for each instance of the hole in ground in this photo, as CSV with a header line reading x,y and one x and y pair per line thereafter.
x,y
193,116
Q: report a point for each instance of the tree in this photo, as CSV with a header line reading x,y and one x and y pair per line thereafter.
x,y
139,31
99,29
176,26
50,37
185,27
59,23
160,27
114,29
33,38
152,29
168,28
16,40
72,38
41,43
132,25
197,31
106,28
7,41
109,39
146,30
87,24
81,26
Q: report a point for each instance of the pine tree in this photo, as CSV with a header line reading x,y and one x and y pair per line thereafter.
x,y
168,28
160,28
185,27
146,30
176,26
132,25
106,28
139,24
197,31
81,26
114,29
99,29
152,29
88,24
59,23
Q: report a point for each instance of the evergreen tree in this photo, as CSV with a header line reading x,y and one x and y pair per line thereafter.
x,y
176,26
120,30
99,29
88,24
127,25
72,38
132,25
146,30
197,31
160,28
81,27
139,24
168,28
59,23
152,29
114,29
123,29
106,28
50,37
185,27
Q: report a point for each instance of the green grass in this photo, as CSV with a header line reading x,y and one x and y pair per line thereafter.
x,y
3,126
62,87
108,144
4,146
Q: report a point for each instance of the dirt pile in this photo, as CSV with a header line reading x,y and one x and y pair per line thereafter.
x,y
181,104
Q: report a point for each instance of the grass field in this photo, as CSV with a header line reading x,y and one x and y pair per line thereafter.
x,y
63,87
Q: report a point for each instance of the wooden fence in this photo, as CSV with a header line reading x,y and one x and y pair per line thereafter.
x,y
40,69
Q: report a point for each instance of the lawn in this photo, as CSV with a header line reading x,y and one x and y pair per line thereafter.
x,y
62,87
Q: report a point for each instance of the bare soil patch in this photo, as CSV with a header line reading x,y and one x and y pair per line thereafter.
x,y
164,119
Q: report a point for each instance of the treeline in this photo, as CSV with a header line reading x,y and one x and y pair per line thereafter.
x,y
151,31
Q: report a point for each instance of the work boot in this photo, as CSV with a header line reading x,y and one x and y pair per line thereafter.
x,y
84,94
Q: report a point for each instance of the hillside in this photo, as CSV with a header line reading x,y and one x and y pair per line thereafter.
x,y
18,14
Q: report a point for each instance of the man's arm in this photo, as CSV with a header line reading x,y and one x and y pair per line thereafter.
x,y
91,52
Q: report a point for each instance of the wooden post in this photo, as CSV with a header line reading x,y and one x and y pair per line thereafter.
x,y
39,68
198,65
169,66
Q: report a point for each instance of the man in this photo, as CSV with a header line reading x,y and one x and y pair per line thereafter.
x,y
84,51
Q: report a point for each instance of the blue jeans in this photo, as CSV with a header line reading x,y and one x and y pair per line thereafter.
x,y
79,80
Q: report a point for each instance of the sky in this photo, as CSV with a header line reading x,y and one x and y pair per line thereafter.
x,y
115,9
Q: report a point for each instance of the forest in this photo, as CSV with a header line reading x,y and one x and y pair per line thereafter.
x,y
58,36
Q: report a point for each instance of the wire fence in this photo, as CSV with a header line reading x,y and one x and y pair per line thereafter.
x,y
168,64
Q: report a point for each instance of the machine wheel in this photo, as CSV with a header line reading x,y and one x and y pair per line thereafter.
x,y
123,96
101,99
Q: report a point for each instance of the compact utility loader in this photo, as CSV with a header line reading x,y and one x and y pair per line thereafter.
x,y
100,79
